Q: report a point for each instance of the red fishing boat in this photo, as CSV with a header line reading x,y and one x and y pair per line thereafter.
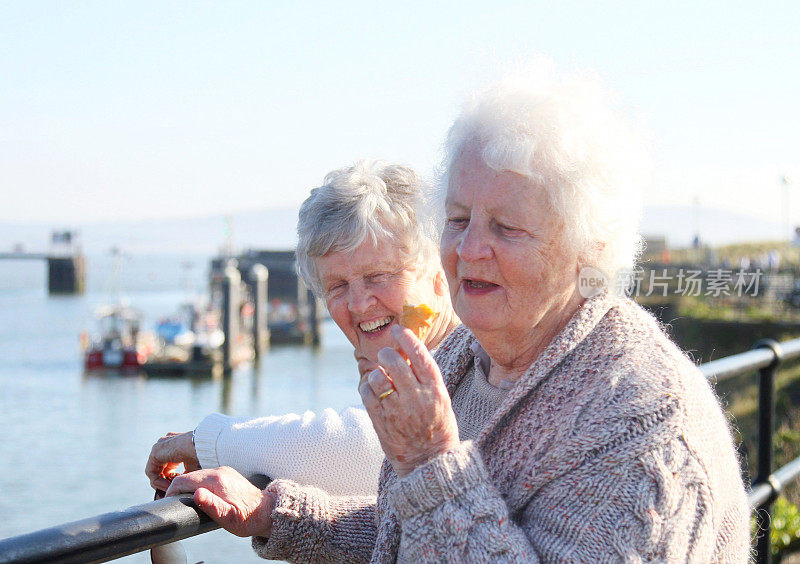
x,y
117,346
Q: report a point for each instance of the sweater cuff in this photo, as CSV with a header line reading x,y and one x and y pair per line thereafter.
x,y
293,535
205,439
439,480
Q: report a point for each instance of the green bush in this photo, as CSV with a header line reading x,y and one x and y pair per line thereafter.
x,y
785,536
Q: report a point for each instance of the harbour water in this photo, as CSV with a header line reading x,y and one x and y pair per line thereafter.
x,y
73,446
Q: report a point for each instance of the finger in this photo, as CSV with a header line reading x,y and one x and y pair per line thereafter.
x,y
371,404
191,466
216,507
368,396
423,365
379,382
162,484
156,471
187,483
365,366
397,369
374,409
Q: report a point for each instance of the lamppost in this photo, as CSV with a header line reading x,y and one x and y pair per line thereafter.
x,y
786,182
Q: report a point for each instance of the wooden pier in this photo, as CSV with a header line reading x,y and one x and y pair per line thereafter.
x,y
302,320
66,273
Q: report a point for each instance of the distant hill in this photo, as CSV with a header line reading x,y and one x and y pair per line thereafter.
x,y
266,229
275,229
716,227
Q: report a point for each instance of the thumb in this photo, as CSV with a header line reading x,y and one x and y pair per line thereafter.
x,y
216,507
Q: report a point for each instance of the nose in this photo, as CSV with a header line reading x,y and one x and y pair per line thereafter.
x,y
473,245
360,299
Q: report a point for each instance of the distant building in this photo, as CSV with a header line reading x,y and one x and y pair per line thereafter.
x,y
655,244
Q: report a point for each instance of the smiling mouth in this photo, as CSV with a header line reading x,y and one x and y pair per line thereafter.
x,y
375,325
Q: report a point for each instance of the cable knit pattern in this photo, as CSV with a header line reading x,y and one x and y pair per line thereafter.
x,y
612,447
311,526
338,452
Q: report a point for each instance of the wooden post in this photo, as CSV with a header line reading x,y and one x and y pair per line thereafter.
x,y
315,318
259,275
230,316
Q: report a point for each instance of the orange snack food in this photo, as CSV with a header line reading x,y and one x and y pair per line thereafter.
x,y
418,318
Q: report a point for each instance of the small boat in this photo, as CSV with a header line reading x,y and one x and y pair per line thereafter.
x,y
189,344
118,345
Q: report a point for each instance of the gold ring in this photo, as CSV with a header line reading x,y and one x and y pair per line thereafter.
x,y
386,394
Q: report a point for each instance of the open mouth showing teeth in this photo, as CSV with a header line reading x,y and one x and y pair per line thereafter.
x,y
376,325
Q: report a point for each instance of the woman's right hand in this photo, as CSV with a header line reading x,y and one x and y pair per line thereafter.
x,y
166,455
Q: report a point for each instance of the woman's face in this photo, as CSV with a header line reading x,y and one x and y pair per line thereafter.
x,y
502,253
365,291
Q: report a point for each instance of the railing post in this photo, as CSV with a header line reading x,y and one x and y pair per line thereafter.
x,y
766,424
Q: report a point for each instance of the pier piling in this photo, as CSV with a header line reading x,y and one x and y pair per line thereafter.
x,y
66,275
231,284
259,275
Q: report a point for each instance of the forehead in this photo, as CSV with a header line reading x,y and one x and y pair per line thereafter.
x,y
472,183
365,259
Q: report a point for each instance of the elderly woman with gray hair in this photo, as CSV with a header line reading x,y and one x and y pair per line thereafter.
x,y
555,425
363,246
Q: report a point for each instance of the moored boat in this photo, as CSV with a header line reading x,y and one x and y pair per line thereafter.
x,y
119,344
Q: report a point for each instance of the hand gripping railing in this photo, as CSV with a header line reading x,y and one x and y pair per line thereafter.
x,y
114,535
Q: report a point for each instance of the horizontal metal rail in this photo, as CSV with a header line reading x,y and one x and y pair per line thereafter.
x,y
113,535
765,492
750,361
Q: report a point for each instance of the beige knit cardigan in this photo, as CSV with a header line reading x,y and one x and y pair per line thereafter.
x,y
612,447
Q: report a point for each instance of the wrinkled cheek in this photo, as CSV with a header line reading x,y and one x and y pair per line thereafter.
x,y
449,259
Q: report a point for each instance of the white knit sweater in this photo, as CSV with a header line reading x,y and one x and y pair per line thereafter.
x,y
338,452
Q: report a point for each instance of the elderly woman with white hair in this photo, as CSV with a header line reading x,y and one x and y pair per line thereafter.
x,y
552,426
364,247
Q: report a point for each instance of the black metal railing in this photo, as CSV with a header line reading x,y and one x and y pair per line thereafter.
x,y
766,357
111,535
114,535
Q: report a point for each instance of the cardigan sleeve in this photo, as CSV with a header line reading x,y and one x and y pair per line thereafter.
x,y
655,506
449,511
308,525
337,452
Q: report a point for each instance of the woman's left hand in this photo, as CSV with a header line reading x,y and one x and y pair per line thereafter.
x,y
415,422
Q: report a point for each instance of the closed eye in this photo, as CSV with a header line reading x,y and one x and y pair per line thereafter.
x,y
509,231
335,289
456,222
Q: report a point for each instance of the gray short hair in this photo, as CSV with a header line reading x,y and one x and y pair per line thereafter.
x,y
563,133
373,200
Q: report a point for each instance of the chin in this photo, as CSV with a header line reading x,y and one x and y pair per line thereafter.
x,y
479,320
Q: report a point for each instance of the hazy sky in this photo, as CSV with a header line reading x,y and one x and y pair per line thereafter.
x,y
122,110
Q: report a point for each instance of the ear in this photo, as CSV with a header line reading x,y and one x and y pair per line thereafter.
x,y
440,287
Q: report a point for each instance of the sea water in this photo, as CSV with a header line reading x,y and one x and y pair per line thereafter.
x,y
74,445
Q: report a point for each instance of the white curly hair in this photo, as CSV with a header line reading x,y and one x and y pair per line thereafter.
x,y
563,133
